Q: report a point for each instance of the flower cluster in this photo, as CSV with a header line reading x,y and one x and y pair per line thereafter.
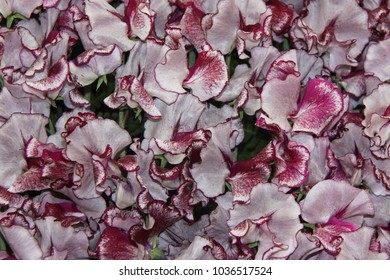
x,y
192,129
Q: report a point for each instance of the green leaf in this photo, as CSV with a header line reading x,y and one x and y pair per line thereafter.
x,y
235,154
11,18
228,186
52,129
122,118
102,79
88,93
154,242
191,58
366,188
255,138
311,227
253,244
53,103
3,244
228,61
232,103
232,61
156,254
138,115
241,112
286,45
300,194
146,221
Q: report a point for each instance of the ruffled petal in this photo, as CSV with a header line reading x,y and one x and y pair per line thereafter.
x,y
115,244
19,6
356,246
92,64
377,58
140,18
209,76
321,103
107,28
14,134
277,215
292,162
342,201
56,78
218,36
131,91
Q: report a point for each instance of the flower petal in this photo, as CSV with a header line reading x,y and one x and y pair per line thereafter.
x,y
321,103
115,244
14,134
377,59
218,36
92,64
210,174
356,246
123,219
55,80
16,236
106,26
276,211
179,117
245,175
140,18
327,27
19,6
171,73
161,217
282,87
159,58
330,198
191,27
56,236
319,162
9,104
209,76
291,164
131,90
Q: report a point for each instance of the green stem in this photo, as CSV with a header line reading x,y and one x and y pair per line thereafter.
x,y
228,62
163,160
88,93
235,154
122,119
228,186
286,45
11,18
147,221
52,129
253,244
138,115
154,241
3,245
